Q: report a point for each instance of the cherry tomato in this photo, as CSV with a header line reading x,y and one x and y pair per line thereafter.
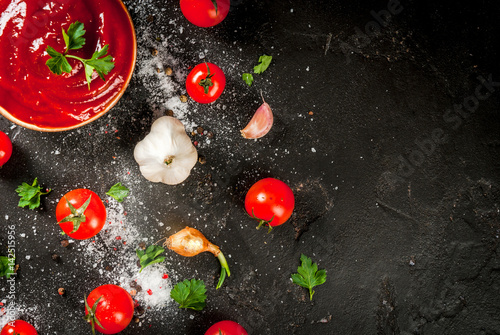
x,y
226,328
88,216
5,148
114,310
18,327
203,13
205,83
270,201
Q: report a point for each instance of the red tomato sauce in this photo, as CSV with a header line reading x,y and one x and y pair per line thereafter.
x,y
29,91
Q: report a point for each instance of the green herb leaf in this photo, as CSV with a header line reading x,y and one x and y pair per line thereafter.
x,y
30,194
308,275
247,78
74,37
58,63
190,294
7,266
150,256
118,192
101,65
264,62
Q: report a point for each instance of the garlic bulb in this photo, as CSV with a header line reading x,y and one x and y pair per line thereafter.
x,y
166,154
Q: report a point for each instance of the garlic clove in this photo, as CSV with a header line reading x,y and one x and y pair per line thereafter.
x,y
260,124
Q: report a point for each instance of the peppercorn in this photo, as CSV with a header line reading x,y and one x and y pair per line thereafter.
x,y
139,310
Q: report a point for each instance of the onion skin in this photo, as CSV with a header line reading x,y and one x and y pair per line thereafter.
x,y
190,242
260,124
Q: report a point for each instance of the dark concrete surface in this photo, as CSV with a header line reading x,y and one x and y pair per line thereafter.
x,y
396,185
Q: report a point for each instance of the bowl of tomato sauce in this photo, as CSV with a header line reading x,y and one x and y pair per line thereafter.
x,y
31,95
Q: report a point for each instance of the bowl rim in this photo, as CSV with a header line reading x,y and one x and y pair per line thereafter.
x,y
108,107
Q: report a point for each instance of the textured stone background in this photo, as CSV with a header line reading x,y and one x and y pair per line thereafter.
x,y
407,227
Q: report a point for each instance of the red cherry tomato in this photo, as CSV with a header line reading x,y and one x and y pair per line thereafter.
x,y
18,327
114,310
226,328
270,201
203,13
5,148
94,214
205,83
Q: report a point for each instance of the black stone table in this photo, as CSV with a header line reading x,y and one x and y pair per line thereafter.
x,y
386,128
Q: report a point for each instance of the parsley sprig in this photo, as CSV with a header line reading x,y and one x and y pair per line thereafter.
x,y
118,192
30,194
7,266
73,38
150,256
264,62
308,275
190,294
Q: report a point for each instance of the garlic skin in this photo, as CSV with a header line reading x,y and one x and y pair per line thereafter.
x,y
166,154
260,124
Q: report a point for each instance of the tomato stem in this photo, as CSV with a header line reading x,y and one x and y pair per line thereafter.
x,y
215,5
206,83
224,269
77,215
263,222
91,316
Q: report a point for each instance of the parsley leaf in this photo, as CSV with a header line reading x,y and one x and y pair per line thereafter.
x,y
190,294
308,275
7,266
264,61
150,256
73,38
101,65
247,78
30,194
58,63
118,191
